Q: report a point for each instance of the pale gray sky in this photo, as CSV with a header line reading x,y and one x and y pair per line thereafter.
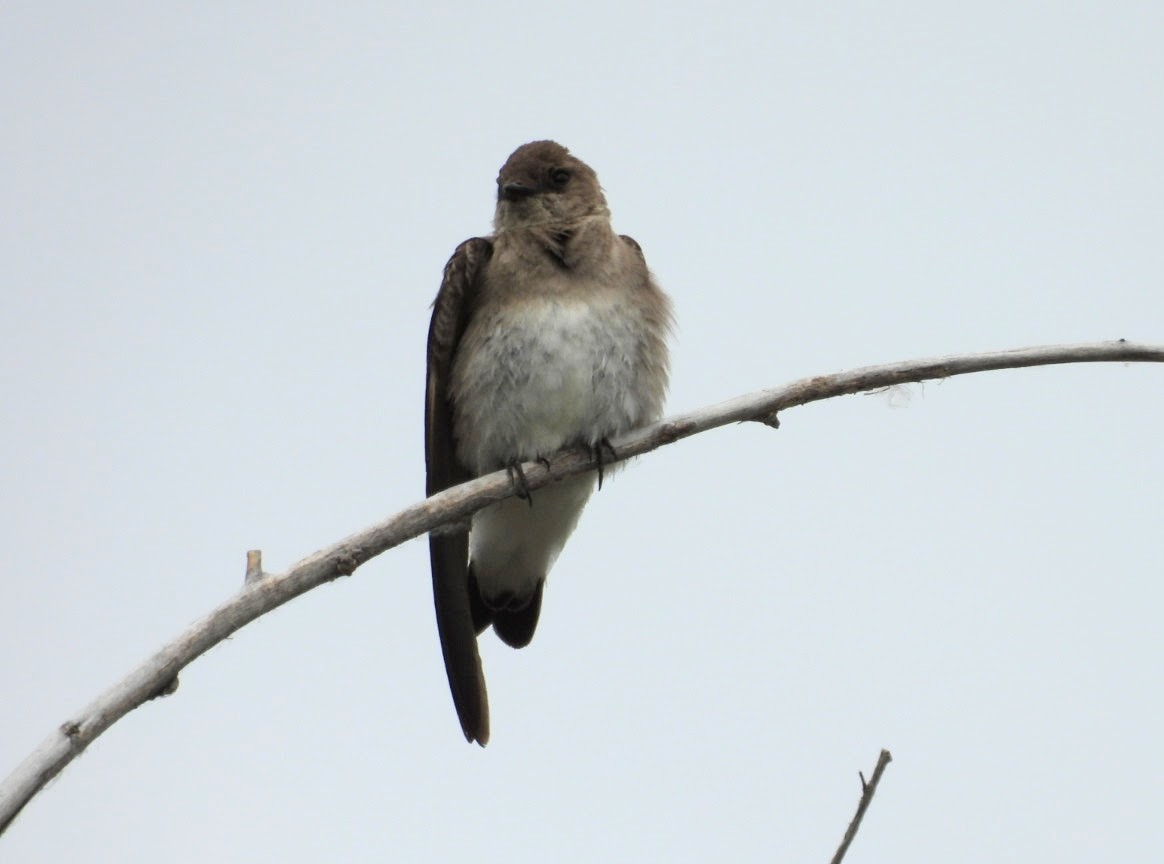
x,y
222,227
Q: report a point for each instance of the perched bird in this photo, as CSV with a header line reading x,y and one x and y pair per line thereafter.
x,y
548,333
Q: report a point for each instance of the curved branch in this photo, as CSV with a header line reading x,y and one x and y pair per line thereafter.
x,y
157,676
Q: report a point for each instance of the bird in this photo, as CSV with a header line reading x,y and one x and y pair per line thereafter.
x,y
548,333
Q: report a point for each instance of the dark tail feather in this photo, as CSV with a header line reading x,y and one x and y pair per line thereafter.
x,y
449,554
516,627
482,614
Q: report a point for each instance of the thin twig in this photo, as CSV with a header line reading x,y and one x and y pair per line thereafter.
x,y
157,676
868,790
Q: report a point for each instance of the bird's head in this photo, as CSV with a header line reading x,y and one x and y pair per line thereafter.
x,y
541,183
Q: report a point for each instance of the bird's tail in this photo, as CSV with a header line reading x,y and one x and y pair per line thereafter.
x,y
513,624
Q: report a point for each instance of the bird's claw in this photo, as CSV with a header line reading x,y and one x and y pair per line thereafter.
x,y
598,451
520,484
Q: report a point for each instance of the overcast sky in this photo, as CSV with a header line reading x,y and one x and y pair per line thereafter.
x,y
221,230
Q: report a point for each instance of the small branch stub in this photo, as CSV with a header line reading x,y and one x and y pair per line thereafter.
x,y
348,560
254,566
167,689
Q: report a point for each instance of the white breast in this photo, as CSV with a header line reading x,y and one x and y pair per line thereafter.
x,y
546,372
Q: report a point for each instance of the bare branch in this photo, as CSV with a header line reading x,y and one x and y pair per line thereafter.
x,y
868,790
262,592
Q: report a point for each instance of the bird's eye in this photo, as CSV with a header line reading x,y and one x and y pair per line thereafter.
x,y
560,176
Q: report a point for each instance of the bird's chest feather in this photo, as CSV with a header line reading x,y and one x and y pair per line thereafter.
x,y
539,371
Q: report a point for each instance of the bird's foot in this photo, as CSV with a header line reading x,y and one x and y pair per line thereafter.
x,y
599,452
520,484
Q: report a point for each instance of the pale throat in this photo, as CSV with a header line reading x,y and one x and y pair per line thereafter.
x,y
510,217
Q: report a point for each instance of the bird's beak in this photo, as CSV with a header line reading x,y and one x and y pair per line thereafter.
x,y
514,191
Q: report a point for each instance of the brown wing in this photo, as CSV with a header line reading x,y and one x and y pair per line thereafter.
x,y
449,552
634,244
